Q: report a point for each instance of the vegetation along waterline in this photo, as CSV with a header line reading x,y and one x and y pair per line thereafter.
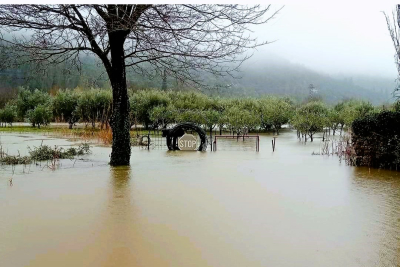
x,y
160,109
127,45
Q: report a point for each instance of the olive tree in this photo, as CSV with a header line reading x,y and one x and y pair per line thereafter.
x,y
161,116
211,118
40,115
64,106
355,109
94,105
219,105
240,120
28,100
274,112
142,104
8,114
190,115
184,40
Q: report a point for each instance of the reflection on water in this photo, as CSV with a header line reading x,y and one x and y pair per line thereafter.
x,y
224,208
118,220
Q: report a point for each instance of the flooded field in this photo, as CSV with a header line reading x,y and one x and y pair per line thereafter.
x,y
234,207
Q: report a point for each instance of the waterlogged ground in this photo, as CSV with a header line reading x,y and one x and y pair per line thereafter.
x,y
225,208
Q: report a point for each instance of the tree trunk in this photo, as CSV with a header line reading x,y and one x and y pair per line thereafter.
x,y
70,126
120,125
211,138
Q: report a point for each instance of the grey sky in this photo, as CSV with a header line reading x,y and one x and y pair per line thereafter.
x,y
336,38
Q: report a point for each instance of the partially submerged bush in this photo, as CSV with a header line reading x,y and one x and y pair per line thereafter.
x,y
45,152
14,160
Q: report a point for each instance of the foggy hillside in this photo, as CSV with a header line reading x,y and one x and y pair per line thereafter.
x,y
274,75
257,76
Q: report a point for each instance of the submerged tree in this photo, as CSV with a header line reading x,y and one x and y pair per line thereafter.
x,y
310,118
182,39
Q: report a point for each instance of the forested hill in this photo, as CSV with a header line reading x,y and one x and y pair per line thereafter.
x,y
270,75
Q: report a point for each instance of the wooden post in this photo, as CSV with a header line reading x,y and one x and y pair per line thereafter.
x,y
273,144
148,141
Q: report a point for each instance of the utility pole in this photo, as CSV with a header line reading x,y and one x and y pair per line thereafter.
x,y
164,81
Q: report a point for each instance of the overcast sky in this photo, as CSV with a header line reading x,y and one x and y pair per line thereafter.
x,y
334,37
337,38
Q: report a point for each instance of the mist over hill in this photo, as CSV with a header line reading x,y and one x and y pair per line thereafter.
x,y
275,75
260,75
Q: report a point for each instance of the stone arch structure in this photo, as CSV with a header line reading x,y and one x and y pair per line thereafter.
x,y
179,130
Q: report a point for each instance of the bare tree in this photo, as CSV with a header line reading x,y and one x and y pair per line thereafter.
x,y
394,30
182,39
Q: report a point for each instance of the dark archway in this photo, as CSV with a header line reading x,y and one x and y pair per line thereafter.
x,y
179,130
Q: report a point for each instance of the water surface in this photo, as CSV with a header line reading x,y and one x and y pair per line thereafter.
x,y
233,207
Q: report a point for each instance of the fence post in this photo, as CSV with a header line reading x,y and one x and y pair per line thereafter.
x,y
258,143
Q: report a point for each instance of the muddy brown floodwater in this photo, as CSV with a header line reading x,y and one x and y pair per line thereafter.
x,y
224,208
